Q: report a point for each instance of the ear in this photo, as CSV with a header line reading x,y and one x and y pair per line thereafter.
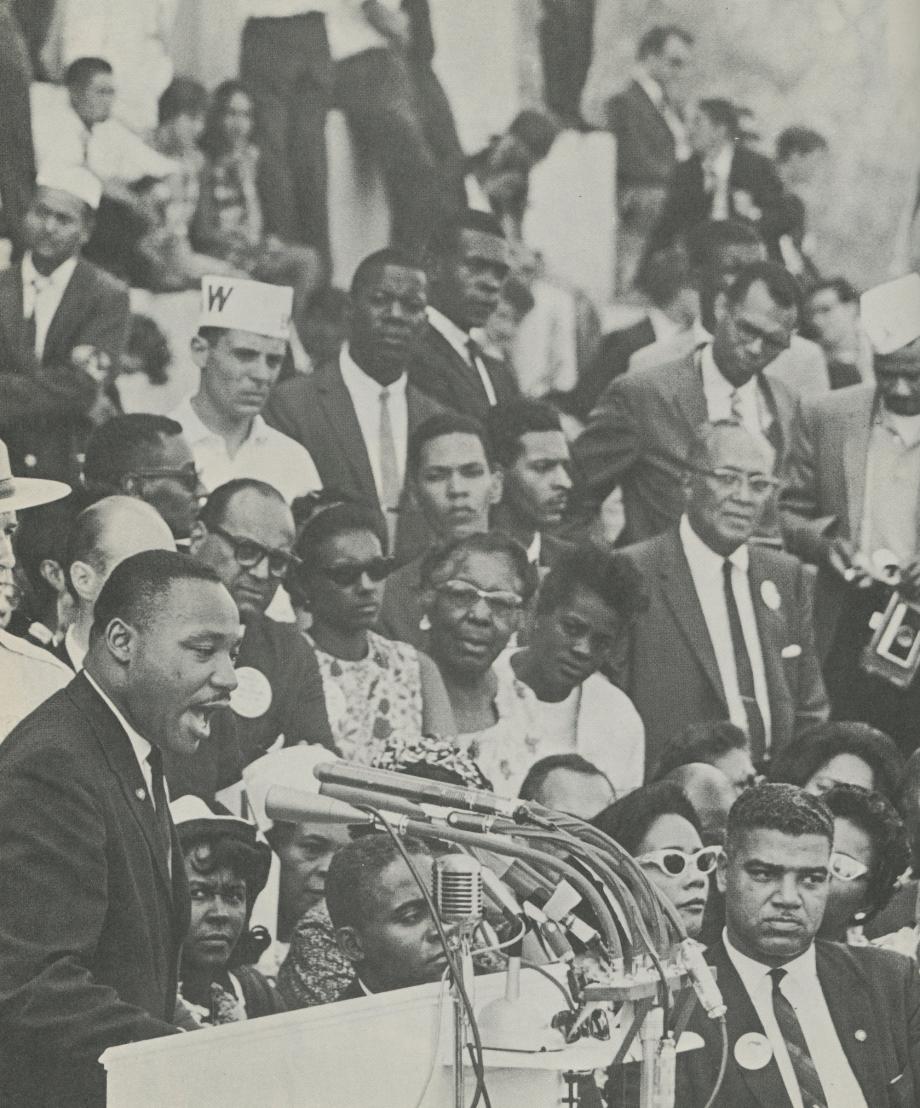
x,y
51,572
349,942
83,579
497,490
200,349
197,536
120,638
721,872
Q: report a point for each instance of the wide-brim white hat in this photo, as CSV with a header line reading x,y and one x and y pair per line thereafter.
x,y
17,493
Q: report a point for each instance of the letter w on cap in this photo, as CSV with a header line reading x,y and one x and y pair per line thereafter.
x,y
220,295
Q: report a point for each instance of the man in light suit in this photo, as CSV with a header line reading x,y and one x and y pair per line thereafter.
x,y
468,263
703,653
89,941
640,433
809,1022
63,326
851,507
355,414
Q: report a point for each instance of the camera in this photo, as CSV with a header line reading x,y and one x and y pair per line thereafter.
x,y
893,652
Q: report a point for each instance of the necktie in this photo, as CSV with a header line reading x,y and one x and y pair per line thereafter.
x,y
743,668
475,352
158,796
37,287
788,1022
389,470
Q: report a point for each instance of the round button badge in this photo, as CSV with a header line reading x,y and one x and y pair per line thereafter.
x,y
252,696
753,1051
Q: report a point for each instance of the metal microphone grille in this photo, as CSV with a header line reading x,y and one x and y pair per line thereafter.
x,y
457,887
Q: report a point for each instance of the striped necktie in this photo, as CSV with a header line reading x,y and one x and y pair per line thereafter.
x,y
799,1055
390,489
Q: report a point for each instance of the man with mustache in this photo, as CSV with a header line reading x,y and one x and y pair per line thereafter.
x,y
98,903
810,1023
728,631
240,347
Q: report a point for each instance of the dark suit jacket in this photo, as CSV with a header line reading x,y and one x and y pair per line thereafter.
x,y
645,144
688,203
825,489
439,371
639,436
611,360
673,676
17,166
90,920
317,411
43,405
874,1000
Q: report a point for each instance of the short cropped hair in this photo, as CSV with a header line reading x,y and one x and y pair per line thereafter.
x,y
656,38
112,448
214,510
778,807
629,819
42,535
722,113
508,423
371,266
663,274
875,816
611,576
700,450
328,522
437,427
798,140
488,542
182,96
446,237
136,587
82,70
798,762
701,742
533,783
845,292
783,288
207,847
353,871
708,239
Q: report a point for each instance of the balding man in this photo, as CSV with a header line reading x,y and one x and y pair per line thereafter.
x,y
710,793
101,537
63,326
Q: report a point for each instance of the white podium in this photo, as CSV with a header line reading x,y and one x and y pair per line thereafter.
x,y
376,1052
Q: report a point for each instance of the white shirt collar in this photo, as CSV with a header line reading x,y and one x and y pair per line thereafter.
x,y
356,380
75,652
139,744
663,326
752,972
535,549
703,556
649,86
456,336
58,277
721,165
701,337
715,383
195,430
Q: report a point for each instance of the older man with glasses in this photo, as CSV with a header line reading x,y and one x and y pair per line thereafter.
x,y
728,632
245,532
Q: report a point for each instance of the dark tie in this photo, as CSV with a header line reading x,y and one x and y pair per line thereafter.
x,y
743,667
788,1022
476,361
158,796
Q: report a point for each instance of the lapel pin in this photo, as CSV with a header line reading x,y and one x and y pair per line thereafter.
x,y
769,594
141,794
753,1051
859,1035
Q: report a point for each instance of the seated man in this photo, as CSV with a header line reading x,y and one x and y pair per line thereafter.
x,y
63,326
568,783
718,743
453,478
585,609
146,456
381,920
809,1022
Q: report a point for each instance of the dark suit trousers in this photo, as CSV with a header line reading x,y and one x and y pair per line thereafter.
x,y
285,64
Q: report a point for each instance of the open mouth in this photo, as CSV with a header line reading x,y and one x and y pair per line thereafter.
x,y
200,715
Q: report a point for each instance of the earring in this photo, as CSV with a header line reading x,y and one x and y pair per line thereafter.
x,y
424,624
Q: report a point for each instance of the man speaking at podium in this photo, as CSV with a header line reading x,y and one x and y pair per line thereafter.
x,y
94,902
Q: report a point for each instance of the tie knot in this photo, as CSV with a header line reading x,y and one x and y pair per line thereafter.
x,y
777,976
155,760
475,350
727,567
384,396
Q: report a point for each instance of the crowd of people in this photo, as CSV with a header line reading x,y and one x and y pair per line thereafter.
x,y
366,534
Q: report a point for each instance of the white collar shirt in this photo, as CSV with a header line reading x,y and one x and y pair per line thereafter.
x,y
706,570
716,175
265,455
801,987
365,395
350,32
139,744
75,652
672,118
663,326
459,339
42,295
745,404
29,674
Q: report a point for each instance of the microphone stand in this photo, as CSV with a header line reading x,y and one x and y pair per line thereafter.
x,y
462,978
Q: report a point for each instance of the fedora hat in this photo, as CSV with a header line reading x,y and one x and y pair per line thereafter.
x,y
17,493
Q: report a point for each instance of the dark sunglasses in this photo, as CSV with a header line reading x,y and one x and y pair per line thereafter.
x,y
249,554
187,476
348,575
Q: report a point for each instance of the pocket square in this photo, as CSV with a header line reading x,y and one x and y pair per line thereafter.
x,y
793,650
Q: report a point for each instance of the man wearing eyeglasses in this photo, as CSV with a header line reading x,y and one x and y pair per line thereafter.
x,y
810,1023
728,633
642,430
239,347
245,533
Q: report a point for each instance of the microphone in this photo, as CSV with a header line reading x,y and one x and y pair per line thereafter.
x,y
458,890
418,789
374,800
296,806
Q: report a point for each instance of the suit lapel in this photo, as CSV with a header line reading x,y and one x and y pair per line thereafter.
x,y
680,594
11,306
340,412
771,630
464,376
74,305
852,1014
687,393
